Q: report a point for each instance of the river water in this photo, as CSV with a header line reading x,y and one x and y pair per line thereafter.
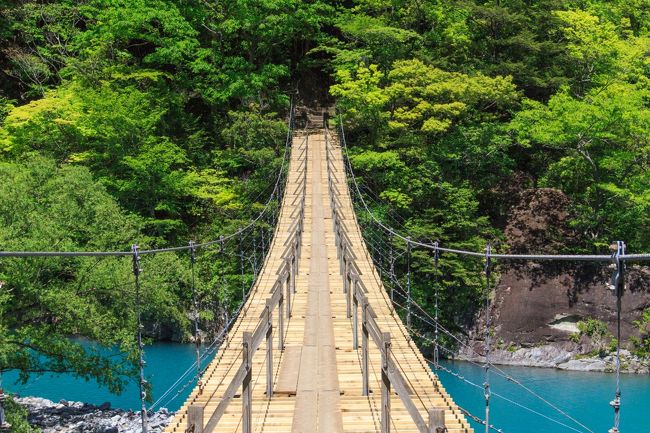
x,y
583,396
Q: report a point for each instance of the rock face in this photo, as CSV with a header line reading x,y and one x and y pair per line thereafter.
x,y
537,305
538,222
543,303
76,417
543,356
562,357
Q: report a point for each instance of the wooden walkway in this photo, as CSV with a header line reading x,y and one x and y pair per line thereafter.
x,y
317,378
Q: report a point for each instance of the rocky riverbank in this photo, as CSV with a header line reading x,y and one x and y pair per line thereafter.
x,y
555,356
77,417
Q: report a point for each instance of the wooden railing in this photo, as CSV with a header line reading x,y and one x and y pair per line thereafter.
x,y
280,299
355,295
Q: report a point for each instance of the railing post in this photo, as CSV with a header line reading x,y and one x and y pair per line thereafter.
x,y
437,421
281,320
300,232
385,383
195,418
269,349
337,240
364,346
247,391
294,271
287,285
355,319
348,295
343,258
345,274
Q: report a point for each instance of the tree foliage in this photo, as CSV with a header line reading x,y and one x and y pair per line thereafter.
x,y
45,301
154,122
134,122
484,99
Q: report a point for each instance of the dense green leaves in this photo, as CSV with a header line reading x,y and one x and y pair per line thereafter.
x,y
598,155
462,107
127,122
47,300
154,122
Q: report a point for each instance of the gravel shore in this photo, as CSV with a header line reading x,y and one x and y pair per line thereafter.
x,y
77,417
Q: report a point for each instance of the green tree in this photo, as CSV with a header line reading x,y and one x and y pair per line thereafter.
x,y
642,343
361,97
77,315
593,149
384,43
597,332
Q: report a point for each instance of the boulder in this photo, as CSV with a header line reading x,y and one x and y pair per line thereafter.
x,y
73,417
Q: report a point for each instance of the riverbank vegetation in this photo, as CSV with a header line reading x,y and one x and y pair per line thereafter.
x,y
157,122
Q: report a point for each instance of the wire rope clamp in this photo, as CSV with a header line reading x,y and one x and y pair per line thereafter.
x,y
136,260
486,389
618,277
488,260
192,248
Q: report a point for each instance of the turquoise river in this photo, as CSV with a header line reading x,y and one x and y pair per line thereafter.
x,y
582,396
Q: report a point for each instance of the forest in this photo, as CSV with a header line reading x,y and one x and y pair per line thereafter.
x,y
162,121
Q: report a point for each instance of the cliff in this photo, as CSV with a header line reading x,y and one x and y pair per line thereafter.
x,y
540,304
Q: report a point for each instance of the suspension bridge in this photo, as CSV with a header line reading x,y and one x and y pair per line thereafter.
x,y
318,343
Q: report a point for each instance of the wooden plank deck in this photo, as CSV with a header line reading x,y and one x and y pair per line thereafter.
x,y
317,377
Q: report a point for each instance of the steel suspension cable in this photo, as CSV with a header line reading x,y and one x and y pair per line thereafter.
x,y
195,306
210,349
499,371
436,258
408,281
391,259
619,287
138,311
495,367
486,384
277,186
477,419
598,258
241,263
529,409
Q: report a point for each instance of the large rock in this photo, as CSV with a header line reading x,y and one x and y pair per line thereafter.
x,y
557,356
76,417
541,356
541,302
588,364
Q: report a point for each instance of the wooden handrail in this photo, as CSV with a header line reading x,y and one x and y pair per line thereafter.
x,y
281,291
355,297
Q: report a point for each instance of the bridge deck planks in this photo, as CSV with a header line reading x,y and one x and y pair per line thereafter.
x,y
319,359
287,382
